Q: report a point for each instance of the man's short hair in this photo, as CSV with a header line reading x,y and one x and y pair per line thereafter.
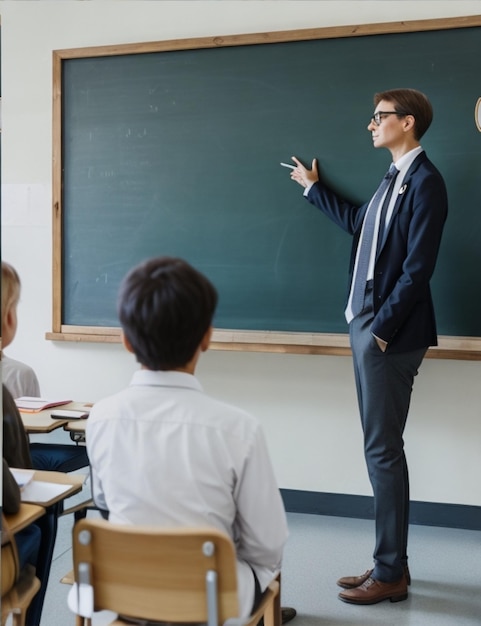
x,y
165,307
10,288
409,102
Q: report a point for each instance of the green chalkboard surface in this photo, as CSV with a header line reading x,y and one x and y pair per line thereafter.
x,y
178,152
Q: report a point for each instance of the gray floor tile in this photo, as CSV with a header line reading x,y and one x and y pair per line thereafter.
x,y
445,566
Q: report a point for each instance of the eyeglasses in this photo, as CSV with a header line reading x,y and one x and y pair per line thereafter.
x,y
378,117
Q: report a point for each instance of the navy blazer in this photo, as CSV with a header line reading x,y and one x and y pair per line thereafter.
x,y
403,306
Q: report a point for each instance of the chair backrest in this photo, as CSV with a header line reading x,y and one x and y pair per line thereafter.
x,y
155,573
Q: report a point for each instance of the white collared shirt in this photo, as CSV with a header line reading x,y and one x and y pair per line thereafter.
x,y
403,164
19,378
163,452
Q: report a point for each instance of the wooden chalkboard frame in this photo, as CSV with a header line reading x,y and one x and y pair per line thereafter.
x,y
454,347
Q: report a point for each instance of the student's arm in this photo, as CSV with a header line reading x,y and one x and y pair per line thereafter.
x,y
97,491
261,519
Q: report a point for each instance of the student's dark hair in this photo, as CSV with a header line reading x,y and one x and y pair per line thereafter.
x,y
409,102
165,307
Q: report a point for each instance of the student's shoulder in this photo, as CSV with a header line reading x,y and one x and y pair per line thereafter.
x,y
228,416
19,377
108,407
13,366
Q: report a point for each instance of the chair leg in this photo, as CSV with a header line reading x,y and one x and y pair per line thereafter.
x,y
18,618
277,604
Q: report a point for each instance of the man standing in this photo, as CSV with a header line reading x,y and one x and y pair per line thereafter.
x,y
396,238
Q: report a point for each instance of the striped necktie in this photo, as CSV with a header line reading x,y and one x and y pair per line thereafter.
x,y
365,245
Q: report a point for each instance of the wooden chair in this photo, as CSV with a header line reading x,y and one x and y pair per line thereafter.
x,y
182,575
18,588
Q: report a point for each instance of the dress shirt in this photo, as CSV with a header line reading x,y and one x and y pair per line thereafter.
x,y
163,452
19,378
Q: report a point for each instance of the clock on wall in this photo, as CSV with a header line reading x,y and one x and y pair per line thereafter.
x,y
477,114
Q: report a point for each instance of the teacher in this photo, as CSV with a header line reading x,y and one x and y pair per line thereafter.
x,y
396,238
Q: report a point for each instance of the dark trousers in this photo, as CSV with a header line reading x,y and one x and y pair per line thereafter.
x,y
384,383
28,544
257,592
60,457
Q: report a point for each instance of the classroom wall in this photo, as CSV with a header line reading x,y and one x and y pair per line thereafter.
x,y
307,404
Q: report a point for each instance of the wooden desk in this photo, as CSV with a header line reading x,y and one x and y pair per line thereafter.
x,y
37,494
41,422
27,514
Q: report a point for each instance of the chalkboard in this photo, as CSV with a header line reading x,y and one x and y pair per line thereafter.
x,y
175,148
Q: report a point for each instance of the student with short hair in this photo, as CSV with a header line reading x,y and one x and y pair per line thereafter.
x,y
164,452
30,541
16,454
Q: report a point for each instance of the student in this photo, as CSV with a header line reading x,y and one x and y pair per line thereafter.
x,y
41,456
19,377
35,543
164,452
21,380
16,454
391,316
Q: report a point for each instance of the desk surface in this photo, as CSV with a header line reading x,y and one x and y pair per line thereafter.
x,y
35,493
41,422
27,514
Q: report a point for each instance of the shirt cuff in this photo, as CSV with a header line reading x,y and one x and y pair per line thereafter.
x,y
307,189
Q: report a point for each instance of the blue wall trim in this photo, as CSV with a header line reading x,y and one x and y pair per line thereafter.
x,y
343,505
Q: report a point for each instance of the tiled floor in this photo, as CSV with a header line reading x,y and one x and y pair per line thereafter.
x,y
445,566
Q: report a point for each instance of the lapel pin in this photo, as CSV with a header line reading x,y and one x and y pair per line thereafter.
x,y
403,189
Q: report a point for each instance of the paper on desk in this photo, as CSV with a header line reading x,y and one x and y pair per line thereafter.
x,y
31,404
22,476
40,492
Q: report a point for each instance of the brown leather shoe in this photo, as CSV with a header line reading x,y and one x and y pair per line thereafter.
x,y
350,582
372,591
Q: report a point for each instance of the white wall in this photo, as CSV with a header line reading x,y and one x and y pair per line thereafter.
x,y
306,403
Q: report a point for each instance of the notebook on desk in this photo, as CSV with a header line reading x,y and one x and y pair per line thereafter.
x,y
22,476
29,404
41,492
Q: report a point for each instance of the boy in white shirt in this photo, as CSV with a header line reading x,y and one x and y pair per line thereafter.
x,y
163,452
